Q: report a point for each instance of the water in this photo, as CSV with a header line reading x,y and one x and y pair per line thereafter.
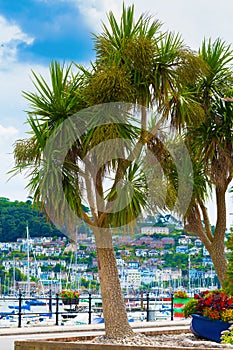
x,y
36,316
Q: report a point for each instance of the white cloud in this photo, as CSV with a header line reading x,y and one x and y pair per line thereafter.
x,y
194,20
10,37
11,32
8,132
13,81
12,123
14,187
94,11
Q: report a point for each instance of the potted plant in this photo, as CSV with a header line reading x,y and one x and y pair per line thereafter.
x,y
180,299
181,294
212,313
69,297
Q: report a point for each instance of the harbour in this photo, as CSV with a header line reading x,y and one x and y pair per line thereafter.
x,y
41,311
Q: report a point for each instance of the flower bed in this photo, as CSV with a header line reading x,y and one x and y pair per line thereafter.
x,y
208,328
174,341
181,294
69,297
207,307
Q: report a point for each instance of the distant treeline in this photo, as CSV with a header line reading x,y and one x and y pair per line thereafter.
x,y
15,216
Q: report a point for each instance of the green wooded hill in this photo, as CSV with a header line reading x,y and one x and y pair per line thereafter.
x,y
14,217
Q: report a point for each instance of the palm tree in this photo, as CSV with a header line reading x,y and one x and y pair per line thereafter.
x,y
209,141
93,157
138,63
61,159
211,146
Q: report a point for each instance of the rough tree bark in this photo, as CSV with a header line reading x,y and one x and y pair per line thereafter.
x,y
114,310
217,249
213,241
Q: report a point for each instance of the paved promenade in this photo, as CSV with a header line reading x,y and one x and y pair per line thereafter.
x,y
9,335
90,329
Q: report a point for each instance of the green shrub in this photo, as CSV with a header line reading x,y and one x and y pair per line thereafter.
x,y
227,336
190,308
181,294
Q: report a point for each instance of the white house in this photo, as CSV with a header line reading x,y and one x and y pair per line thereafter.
x,y
150,230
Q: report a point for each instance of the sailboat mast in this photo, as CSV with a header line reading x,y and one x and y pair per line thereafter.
x,y
28,256
76,256
14,284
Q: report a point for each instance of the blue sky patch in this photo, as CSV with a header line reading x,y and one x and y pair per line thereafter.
x,y
58,29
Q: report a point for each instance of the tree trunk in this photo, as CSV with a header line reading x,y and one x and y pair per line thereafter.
x,y
115,315
218,256
214,243
217,250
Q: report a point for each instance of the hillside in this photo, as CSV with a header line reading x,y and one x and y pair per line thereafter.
x,y
14,216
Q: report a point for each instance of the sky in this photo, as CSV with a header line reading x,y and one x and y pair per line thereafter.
x,y
35,32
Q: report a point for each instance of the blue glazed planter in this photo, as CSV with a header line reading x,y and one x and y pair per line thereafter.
x,y
209,329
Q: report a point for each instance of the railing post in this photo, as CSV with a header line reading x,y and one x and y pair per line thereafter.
x,y
20,310
50,302
89,309
142,301
57,309
147,306
172,306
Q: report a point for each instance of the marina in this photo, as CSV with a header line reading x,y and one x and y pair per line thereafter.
x,y
42,311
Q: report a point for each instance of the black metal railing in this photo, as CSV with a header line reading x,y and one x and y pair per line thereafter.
x,y
143,303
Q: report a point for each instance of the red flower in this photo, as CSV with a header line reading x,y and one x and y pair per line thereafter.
x,y
69,294
212,303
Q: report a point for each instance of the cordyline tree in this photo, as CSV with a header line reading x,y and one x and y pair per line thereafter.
x,y
209,141
211,149
87,147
